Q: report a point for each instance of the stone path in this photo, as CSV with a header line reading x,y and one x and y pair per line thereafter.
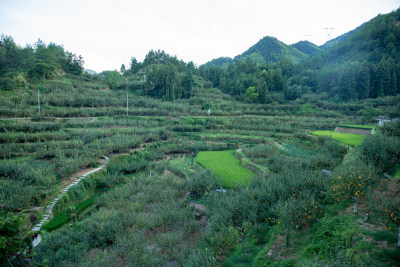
x,y
49,209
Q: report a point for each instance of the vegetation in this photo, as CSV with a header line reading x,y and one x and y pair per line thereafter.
x,y
225,166
346,138
209,166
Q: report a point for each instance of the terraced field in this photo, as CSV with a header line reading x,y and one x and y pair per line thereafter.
x,y
154,191
345,138
225,166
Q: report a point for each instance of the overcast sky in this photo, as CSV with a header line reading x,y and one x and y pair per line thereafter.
x,y
108,33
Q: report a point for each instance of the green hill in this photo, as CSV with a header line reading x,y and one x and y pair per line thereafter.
x,y
363,63
272,50
306,47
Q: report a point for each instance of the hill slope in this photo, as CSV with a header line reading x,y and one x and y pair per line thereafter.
x,y
272,50
306,47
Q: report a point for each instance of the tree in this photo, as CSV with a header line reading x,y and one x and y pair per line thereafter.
x,y
385,202
383,79
262,92
279,82
187,83
114,79
122,69
363,81
134,65
251,94
352,182
347,84
73,64
292,92
11,240
392,89
72,213
46,61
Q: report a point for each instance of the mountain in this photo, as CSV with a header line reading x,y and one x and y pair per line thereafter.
x,y
363,63
270,50
306,47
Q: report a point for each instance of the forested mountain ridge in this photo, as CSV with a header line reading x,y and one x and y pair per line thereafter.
x,y
306,47
270,50
363,63
340,38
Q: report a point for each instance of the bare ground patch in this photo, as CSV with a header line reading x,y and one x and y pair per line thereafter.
x,y
352,130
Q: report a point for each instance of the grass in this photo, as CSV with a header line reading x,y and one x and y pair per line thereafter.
x,y
237,259
225,166
396,172
62,218
346,138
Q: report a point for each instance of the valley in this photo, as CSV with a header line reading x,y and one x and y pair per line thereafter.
x,y
272,158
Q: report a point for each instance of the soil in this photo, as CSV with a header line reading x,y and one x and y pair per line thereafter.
x,y
352,130
198,207
278,249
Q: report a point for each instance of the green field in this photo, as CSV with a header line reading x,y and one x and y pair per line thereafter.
x,y
225,166
396,172
346,138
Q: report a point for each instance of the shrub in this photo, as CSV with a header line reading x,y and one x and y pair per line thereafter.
x,y
201,182
382,151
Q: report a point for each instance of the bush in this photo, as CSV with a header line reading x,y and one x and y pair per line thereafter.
x,y
330,236
201,182
382,151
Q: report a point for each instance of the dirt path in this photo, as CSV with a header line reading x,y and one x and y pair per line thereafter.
x,y
48,211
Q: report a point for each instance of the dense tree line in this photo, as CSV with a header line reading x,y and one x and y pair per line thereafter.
x,y
19,65
160,75
250,81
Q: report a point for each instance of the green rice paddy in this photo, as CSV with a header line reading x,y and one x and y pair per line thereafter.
x,y
225,166
346,138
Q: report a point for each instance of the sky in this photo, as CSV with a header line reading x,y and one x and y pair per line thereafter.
x,y
108,33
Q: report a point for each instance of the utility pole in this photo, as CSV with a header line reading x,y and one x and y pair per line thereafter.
x,y
329,31
127,103
307,37
144,80
38,101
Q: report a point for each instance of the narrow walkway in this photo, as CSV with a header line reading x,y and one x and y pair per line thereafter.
x,y
49,209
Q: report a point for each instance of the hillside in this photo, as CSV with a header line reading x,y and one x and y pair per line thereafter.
x,y
339,39
256,161
306,47
270,50
364,64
